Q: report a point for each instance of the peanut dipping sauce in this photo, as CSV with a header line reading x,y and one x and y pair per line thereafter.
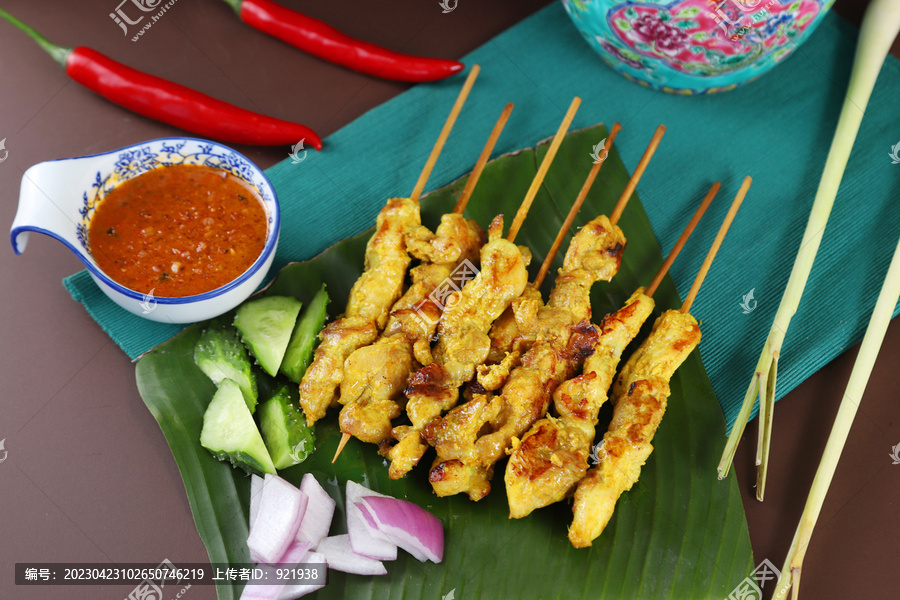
x,y
178,230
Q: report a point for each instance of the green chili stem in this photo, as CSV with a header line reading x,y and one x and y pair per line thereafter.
x,y
235,5
58,53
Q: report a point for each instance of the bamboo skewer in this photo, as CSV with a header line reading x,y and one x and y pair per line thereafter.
x,y
482,160
429,166
445,132
723,229
676,249
856,386
620,205
573,212
636,176
542,170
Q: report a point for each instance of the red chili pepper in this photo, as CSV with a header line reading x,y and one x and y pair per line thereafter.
x,y
170,102
321,39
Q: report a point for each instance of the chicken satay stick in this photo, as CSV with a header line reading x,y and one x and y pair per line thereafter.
x,y
376,290
573,212
553,456
377,373
507,343
640,394
563,333
463,341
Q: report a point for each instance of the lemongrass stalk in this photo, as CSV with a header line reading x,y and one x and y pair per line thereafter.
x,y
856,386
879,28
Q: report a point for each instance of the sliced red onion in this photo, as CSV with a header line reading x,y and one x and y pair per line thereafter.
x,y
319,512
295,590
341,557
281,508
408,525
297,552
365,539
256,486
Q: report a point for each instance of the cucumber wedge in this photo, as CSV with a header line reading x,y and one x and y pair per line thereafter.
x,y
266,325
303,340
289,439
230,432
220,354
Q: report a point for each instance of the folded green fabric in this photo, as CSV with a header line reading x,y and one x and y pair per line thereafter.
x,y
777,130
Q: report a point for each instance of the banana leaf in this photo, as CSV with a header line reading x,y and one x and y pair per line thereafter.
x,y
679,533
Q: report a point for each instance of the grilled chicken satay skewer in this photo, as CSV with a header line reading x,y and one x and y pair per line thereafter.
x,y
376,290
375,375
507,341
463,341
553,456
465,460
640,393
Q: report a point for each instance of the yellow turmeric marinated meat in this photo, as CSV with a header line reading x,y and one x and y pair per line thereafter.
x,y
463,341
375,376
368,306
563,338
640,395
553,456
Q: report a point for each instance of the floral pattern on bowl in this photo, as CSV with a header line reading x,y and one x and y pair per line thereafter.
x,y
695,46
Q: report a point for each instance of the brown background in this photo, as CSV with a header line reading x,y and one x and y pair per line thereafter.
x,y
89,477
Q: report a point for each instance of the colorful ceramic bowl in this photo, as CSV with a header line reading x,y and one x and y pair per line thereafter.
x,y
58,198
695,46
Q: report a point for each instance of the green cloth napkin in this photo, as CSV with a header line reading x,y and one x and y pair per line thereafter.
x,y
777,130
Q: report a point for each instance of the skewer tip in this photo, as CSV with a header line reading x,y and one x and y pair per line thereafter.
x,y
344,439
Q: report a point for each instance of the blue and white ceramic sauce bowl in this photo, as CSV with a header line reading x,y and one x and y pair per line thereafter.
x,y
59,197
695,46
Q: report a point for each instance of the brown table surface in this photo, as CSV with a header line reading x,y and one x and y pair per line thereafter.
x,y
88,475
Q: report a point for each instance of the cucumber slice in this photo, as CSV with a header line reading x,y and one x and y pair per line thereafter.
x,y
266,325
303,340
289,439
220,354
230,433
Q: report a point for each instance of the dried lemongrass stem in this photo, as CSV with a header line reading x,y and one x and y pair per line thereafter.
x,y
856,386
879,28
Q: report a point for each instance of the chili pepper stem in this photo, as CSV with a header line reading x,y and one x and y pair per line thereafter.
x,y
235,5
58,53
